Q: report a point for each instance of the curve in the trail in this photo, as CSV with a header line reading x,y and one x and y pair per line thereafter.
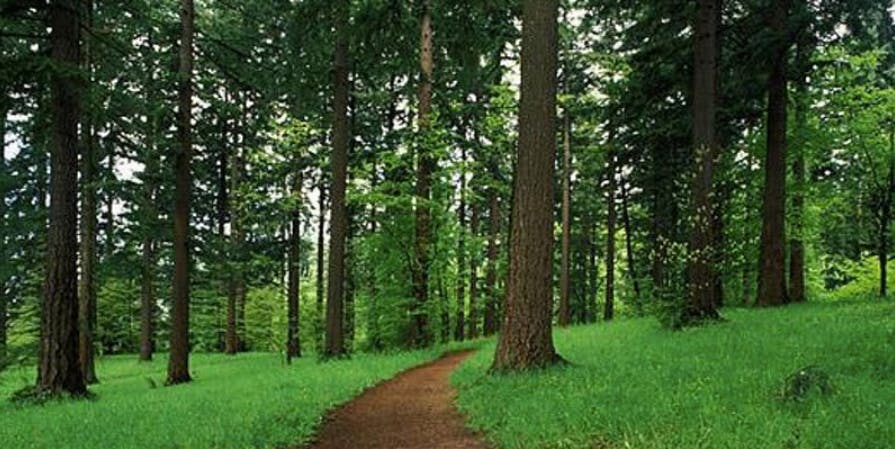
x,y
415,410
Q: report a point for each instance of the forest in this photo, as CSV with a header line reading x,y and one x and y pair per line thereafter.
x,y
506,224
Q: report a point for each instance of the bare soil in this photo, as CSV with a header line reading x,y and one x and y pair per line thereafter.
x,y
415,410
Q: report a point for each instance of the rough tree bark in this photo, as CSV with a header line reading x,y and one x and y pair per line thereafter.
x,y
420,335
796,242
59,367
565,278
526,338
335,337
87,287
293,344
701,304
772,274
178,359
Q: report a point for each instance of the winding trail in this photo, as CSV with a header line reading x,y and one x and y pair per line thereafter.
x,y
415,410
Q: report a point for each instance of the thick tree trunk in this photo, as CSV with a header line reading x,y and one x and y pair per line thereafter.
x,y
492,300
565,278
796,244
293,343
335,337
87,287
701,255
474,306
772,277
526,338
319,322
178,361
611,219
59,367
420,334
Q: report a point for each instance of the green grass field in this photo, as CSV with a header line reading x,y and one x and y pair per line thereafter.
x,y
633,385
250,401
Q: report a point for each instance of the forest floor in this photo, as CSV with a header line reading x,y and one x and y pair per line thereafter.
x,y
810,376
251,400
415,410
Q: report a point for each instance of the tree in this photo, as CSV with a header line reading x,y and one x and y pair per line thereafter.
x,y
772,276
565,278
526,338
87,287
293,343
335,338
60,369
611,225
178,360
420,334
701,258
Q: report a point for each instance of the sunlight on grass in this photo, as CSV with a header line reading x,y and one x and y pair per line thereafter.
x,y
247,401
633,385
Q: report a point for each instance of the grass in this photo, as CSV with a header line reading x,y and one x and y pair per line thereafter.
x,y
247,401
633,385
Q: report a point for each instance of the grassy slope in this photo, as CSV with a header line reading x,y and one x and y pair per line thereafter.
x,y
633,385
250,401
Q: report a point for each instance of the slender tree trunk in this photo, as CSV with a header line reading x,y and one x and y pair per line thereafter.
x,y
4,296
629,242
491,299
233,341
461,252
701,255
565,278
474,306
772,277
796,243
150,217
591,295
611,219
87,287
293,343
420,334
110,203
526,338
335,337
59,368
350,273
319,325
886,219
178,361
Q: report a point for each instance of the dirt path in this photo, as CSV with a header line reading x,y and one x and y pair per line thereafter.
x,y
412,411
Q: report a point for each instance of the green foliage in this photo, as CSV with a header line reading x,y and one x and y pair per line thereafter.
x,y
251,401
632,384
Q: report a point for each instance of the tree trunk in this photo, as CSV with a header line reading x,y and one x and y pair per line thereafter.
x,y
565,278
60,370
474,306
150,217
4,298
335,337
591,295
772,277
293,343
178,361
701,255
526,338
233,341
420,334
491,295
611,219
629,243
87,287
459,333
321,225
